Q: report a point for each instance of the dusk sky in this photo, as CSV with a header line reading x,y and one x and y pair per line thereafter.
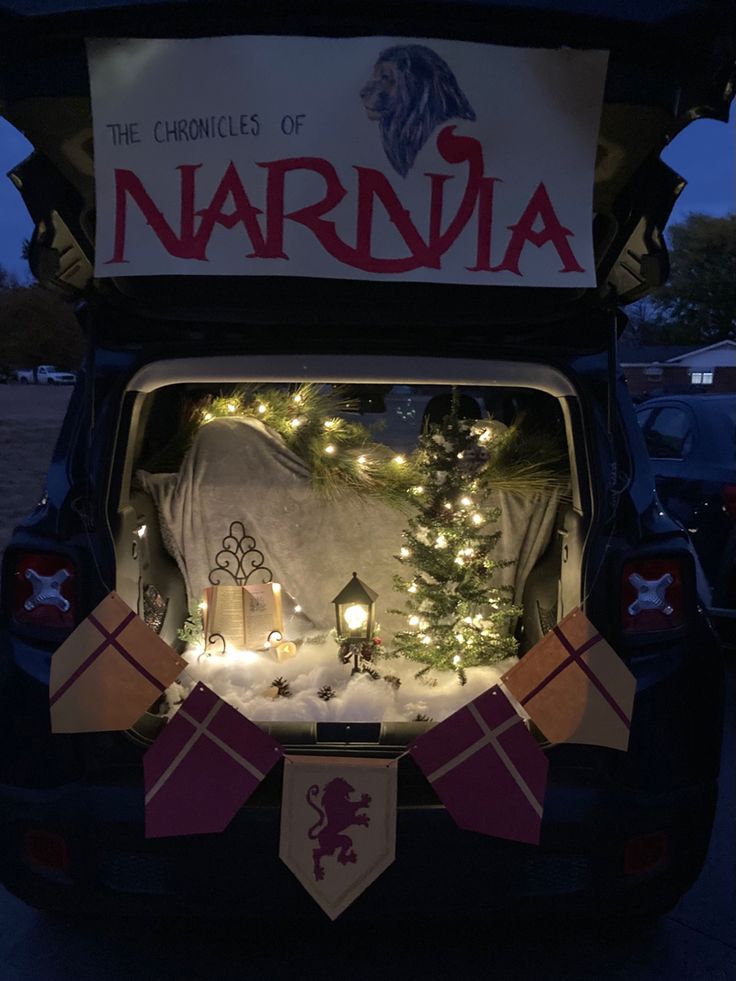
x,y
704,155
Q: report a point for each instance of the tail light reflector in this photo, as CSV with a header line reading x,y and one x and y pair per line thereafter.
x,y
652,595
728,497
645,853
46,850
42,590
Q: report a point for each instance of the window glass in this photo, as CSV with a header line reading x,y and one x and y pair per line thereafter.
x,y
707,377
643,417
696,377
670,434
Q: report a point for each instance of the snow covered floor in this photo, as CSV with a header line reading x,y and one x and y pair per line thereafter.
x,y
245,681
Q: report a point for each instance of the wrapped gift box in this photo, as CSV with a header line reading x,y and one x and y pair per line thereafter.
x,y
487,769
203,767
575,687
109,671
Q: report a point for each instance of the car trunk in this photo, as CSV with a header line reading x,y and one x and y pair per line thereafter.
x,y
206,493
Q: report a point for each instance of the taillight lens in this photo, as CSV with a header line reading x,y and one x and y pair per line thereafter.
x,y
42,590
728,497
652,595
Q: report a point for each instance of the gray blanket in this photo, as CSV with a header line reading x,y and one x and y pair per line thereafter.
x,y
238,470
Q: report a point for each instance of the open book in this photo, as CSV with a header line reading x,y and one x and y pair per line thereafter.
x,y
244,616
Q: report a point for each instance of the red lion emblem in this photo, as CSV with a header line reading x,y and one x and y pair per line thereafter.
x,y
336,813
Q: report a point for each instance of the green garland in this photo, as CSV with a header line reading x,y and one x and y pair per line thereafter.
x,y
343,456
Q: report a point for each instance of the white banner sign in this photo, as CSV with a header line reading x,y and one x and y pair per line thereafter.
x,y
338,825
378,158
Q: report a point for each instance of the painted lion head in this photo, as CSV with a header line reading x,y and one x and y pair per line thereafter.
x,y
411,92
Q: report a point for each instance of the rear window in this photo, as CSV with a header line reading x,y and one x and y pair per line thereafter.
x,y
668,433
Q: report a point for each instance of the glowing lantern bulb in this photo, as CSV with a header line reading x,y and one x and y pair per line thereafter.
x,y
356,617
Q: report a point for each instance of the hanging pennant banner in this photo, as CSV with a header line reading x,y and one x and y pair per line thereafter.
x,y
487,769
204,767
338,825
373,158
109,671
575,687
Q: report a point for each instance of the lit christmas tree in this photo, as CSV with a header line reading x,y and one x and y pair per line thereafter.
x,y
456,617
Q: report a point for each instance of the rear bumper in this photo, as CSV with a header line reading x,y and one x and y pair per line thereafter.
x,y
579,863
88,790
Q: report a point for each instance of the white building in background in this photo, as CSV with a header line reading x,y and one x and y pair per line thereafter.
x,y
649,371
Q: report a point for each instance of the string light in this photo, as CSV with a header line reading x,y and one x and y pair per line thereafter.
x,y
297,609
208,417
414,621
362,460
426,639
457,660
461,640
297,398
447,506
295,423
459,560
261,409
477,519
418,489
466,502
330,423
412,588
441,542
399,459
405,552
231,407
330,450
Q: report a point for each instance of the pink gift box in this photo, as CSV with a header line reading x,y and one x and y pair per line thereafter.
x,y
487,769
204,767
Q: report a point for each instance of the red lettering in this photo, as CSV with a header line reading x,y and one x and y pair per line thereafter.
x,y
373,184
183,246
485,226
245,213
311,216
552,231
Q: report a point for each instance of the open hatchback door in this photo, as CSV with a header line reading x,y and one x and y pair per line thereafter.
x,y
412,175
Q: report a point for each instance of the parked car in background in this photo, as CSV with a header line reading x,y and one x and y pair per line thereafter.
x,y
45,374
691,442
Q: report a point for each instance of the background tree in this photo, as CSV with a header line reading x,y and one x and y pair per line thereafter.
x,y
36,326
697,305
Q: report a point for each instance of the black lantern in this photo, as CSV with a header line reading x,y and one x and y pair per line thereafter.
x,y
355,608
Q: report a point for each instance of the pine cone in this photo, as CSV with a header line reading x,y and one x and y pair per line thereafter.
x,y
326,693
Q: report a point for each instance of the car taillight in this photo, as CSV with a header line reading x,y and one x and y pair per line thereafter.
x,y
728,498
652,595
42,590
